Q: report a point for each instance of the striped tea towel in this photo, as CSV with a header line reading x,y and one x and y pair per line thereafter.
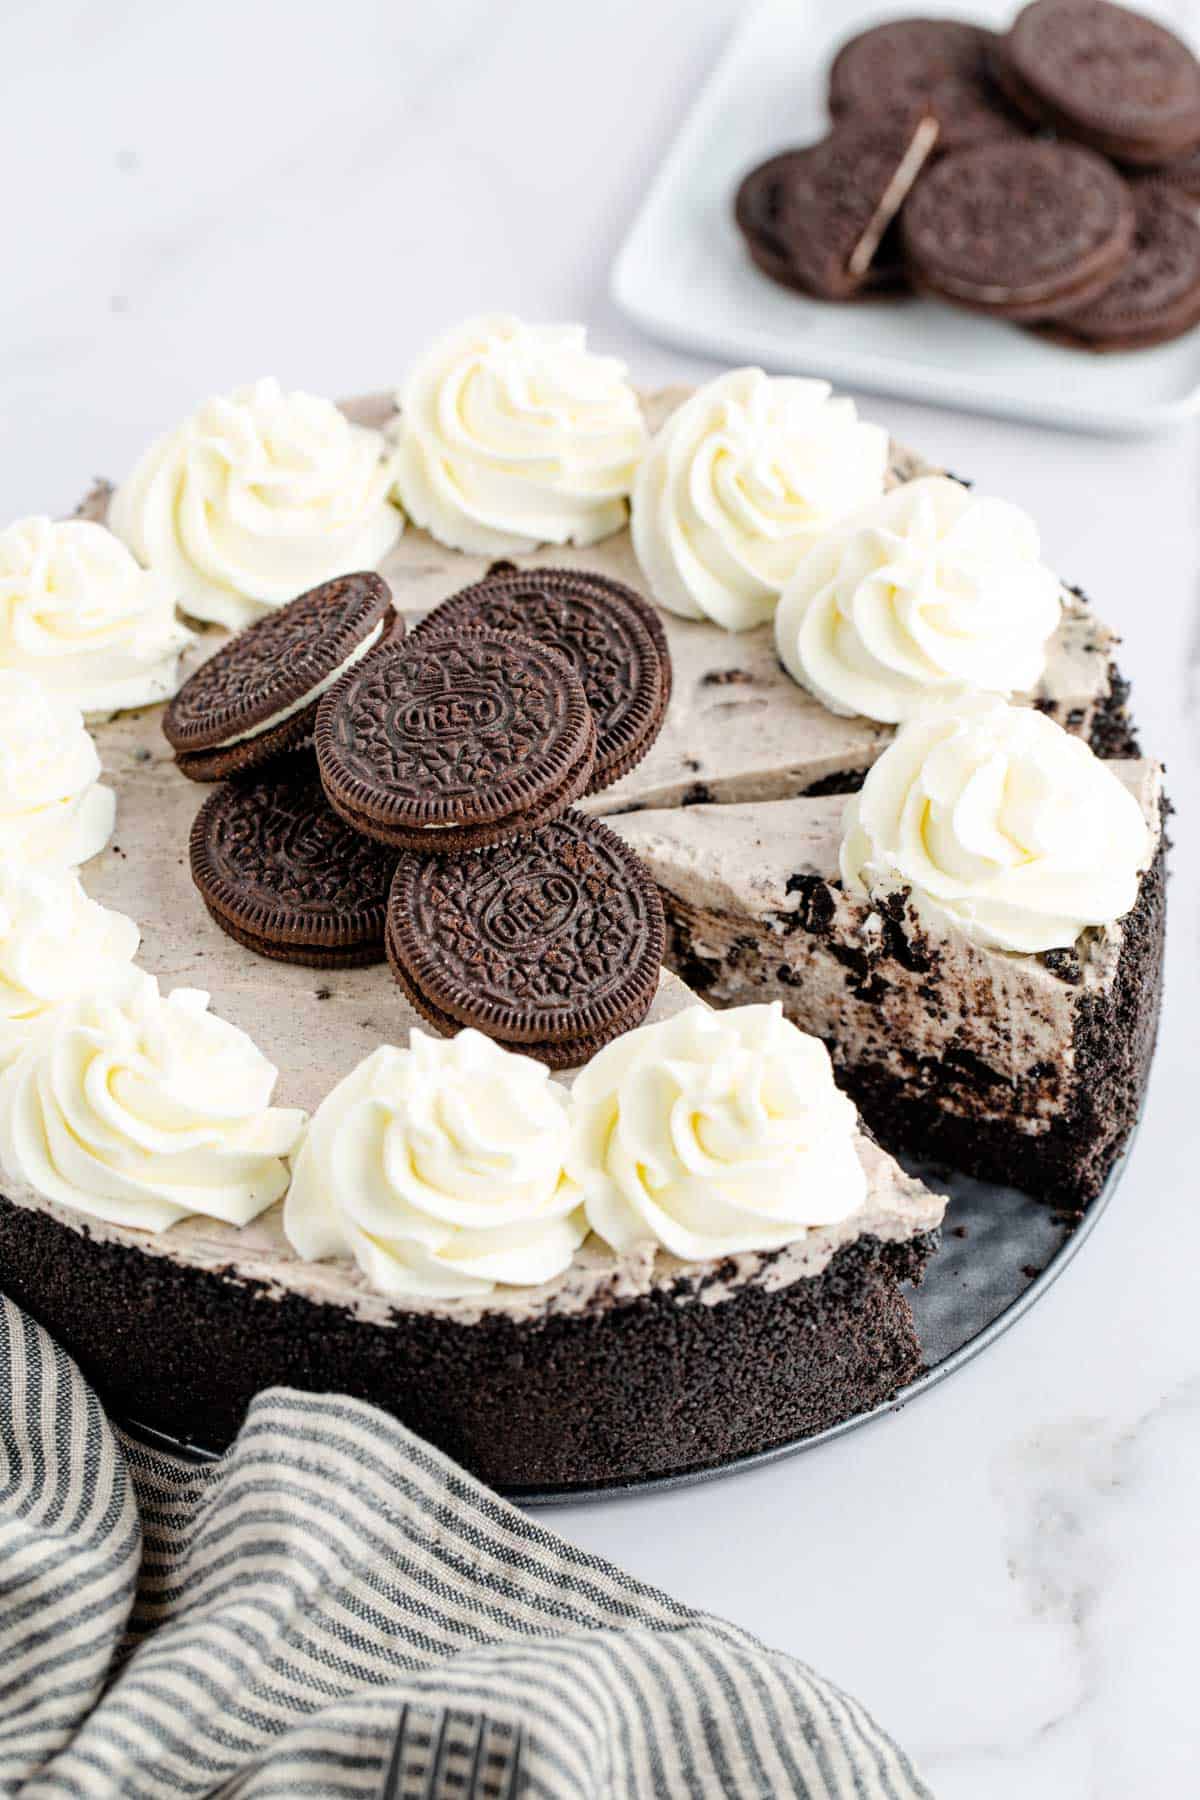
x,y
336,1609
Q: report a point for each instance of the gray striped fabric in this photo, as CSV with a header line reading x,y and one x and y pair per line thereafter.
x,y
337,1609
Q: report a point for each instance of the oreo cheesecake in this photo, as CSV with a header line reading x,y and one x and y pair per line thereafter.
x,y
175,1281
223,1170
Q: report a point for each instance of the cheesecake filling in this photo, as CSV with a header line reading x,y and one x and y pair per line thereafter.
x,y
757,912
896,1209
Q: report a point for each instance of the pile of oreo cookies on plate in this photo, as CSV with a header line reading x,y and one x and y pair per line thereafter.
x,y
1049,175
410,795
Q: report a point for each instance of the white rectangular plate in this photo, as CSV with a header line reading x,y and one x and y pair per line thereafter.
x,y
684,277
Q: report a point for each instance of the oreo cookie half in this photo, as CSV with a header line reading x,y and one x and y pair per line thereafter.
x,y
282,874
451,741
1025,230
257,696
612,638
551,945
816,219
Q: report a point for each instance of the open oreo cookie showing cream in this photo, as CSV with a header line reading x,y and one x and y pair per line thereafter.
x,y
612,638
258,696
816,218
551,944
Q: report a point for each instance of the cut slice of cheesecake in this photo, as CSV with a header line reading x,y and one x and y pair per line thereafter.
x,y
1024,1069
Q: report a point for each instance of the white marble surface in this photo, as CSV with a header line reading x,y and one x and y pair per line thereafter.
x,y
1006,1571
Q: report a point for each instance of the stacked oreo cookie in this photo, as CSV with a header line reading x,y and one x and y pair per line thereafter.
x,y
1049,175
411,796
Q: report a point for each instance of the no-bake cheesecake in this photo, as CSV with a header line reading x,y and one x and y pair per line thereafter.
x,y
690,1248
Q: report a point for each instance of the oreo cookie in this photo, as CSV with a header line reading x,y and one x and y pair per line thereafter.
x,y
1156,297
816,219
1104,75
1025,230
611,637
454,740
552,944
281,874
258,696
939,66
1180,176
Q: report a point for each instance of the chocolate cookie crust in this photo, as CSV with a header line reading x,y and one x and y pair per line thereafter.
x,y
554,940
939,65
611,637
1103,74
660,1382
283,875
1027,230
821,214
227,716
455,740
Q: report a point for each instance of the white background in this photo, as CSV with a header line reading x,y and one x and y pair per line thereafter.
x,y
195,195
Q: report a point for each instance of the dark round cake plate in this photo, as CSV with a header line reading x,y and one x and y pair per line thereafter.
x,y
1001,1251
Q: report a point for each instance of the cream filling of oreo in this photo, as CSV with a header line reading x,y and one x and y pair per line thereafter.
x,y
894,196
323,686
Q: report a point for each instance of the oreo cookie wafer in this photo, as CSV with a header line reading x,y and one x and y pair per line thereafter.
x,y
816,219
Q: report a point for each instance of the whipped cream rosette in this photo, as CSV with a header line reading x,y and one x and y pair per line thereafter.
x,y
738,485
79,612
55,944
143,1109
712,1133
53,812
439,1169
927,594
256,497
997,819
513,435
